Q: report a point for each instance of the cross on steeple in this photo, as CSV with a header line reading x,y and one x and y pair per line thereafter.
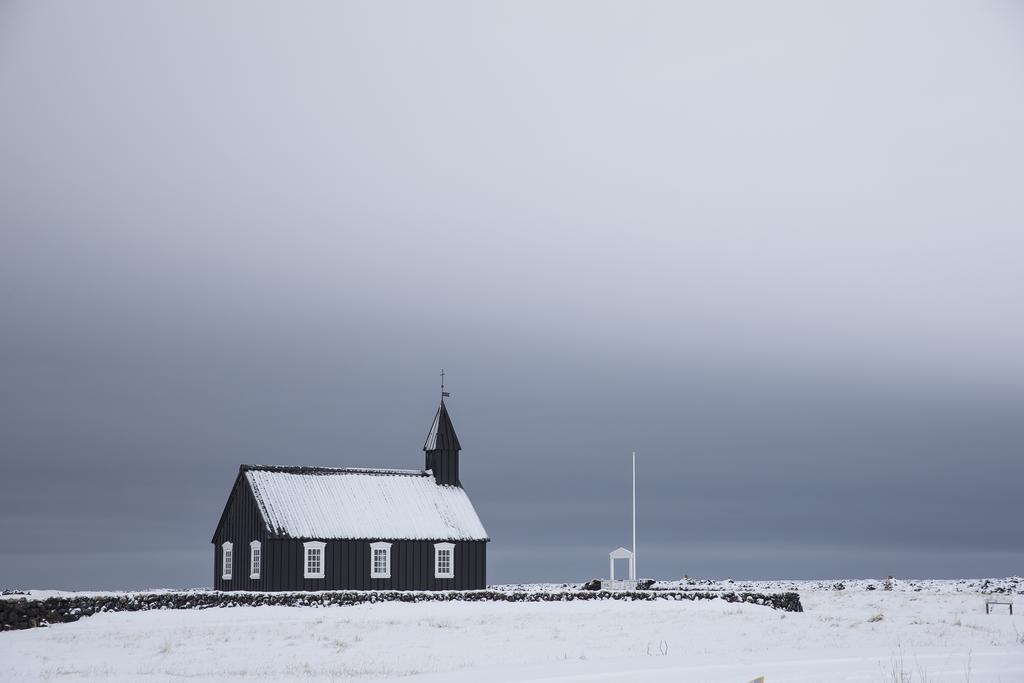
x,y
443,392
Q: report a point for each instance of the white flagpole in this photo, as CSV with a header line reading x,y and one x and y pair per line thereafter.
x,y
634,516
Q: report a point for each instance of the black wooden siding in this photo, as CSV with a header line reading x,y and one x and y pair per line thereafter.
x,y
347,562
445,466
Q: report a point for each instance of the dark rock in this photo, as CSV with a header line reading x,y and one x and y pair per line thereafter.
x,y
19,613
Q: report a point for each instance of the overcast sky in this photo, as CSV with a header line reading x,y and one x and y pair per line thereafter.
x,y
775,248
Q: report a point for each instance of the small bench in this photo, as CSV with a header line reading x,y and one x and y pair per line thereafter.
x,y
989,603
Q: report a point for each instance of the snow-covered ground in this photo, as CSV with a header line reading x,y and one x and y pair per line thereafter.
x,y
931,631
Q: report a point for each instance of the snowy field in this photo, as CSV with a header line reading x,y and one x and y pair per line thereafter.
x,y
922,631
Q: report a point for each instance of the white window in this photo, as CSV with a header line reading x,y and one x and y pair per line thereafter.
x,y
255,559
380,560
314,560
226,560
444,560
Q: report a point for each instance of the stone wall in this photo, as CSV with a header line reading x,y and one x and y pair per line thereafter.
x,y
21,613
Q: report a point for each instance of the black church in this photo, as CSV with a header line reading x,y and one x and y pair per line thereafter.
x,y
290,528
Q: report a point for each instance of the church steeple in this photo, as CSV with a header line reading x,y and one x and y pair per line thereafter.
x,y
442,446
442,436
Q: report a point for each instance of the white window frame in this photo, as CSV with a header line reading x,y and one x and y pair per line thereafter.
x,y
255,559
386,548
307,547
227,559
439,549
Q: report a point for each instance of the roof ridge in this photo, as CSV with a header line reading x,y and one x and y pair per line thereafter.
x,y
317,469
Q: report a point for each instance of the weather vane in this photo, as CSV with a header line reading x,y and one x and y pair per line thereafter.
x,y
443,392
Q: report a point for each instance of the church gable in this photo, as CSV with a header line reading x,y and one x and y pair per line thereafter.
x,y
241,513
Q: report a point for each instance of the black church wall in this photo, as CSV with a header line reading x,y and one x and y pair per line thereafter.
x,y
346,561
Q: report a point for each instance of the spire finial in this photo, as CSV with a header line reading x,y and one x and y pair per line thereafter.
x,y
443,392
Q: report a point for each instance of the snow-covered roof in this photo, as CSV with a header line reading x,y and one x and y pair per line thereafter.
x,y
321,502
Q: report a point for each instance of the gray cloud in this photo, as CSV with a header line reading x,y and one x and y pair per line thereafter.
x,y
772,249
